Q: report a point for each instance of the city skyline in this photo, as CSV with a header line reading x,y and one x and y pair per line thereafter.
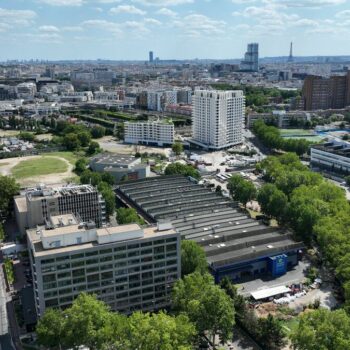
x,y
173,29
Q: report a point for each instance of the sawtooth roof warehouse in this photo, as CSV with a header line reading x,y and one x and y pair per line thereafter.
x,y
236,245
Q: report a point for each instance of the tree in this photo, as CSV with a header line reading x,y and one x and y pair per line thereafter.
x,y
51,329
71,141
108,178
98,132
322,330
26,136
182,169
2,232
84,319
206,305
192,258
177,148
108,195
347,179
271,334
84,138
8,189
241,190
160,331
90,177
218,189
128,216
93,148
238,300
273,202
80,166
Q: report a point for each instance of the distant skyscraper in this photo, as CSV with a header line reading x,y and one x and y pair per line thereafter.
x,y
290,58
251,58
151,57
217,118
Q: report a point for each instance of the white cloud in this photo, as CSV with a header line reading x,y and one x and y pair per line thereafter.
x,y
195,25
130,9
72,29
47,38
163,3
307,3
243,2
16,17
103,25
109,1
62,2
166,12
49,29
152,21
343,14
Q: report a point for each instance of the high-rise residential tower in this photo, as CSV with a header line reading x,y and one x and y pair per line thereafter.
x,y
217,118
151,57
251,58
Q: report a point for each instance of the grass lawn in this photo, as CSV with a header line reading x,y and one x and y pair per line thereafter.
x,y
291,325
70,156
37,167
295,132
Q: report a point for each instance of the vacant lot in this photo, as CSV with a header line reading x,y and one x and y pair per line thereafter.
x,y
39,166
53,168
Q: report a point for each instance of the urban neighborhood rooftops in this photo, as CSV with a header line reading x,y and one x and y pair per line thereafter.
x,y
336,147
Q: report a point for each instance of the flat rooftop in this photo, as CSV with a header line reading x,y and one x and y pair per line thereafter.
x,y
227,234
108,235
114,159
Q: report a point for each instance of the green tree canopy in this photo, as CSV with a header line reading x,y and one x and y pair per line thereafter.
x,y
192,258
71,141
98,131
84,138
177,148
273,202
128,216
323,330
80,166
8,189
182,169
205,304
241,190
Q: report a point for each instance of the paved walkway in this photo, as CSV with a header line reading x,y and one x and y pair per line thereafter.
x,y
4,328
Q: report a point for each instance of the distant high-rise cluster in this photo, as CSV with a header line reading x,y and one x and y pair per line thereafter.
x,y
251,58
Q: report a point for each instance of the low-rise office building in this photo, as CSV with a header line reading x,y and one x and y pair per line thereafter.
x,y
128,267
160,132
120,166
35,206
333,156
280,119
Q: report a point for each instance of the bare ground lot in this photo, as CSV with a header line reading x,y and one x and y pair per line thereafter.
x,y
109,144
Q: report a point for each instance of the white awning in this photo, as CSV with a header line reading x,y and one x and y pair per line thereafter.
x,y
269,292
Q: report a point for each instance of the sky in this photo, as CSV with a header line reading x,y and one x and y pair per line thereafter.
x,y
173,29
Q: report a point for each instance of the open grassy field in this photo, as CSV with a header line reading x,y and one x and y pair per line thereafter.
x,y
295,132
40,166
70,156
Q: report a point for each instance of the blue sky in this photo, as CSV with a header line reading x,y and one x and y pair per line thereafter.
x,y
181,29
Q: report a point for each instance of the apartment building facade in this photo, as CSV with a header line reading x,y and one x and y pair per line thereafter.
x,y
37,205
160,133
128,267
326,93
218,118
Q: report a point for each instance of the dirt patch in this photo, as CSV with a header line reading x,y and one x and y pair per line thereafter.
x,y
109,144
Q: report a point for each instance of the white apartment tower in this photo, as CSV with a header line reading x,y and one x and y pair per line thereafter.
x,y
218,118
